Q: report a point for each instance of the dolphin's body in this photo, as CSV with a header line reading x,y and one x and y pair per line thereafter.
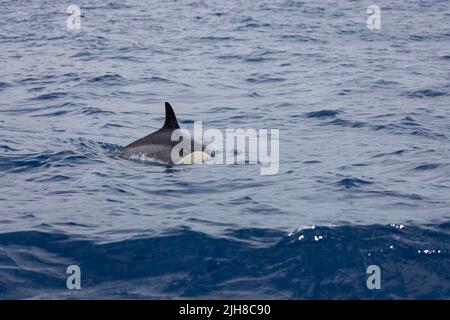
x,y
159,145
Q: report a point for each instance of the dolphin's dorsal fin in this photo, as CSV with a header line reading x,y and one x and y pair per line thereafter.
x,y
171,120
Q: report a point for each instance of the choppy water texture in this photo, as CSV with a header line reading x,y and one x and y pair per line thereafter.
x,y
364,128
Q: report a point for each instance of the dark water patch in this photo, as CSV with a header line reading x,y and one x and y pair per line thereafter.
x,y
263,78
46,79
281,105
72,76
253,58
444,226
253,95
313,263
126,59
410,121
219,14
6,148
36,89
345,92
416,37
109,79
429,166
50,178
384,115
262,55
52,114
230,56
424,132
51,96
95,111
187,121
393,153
82,54
113,125
352,182
215,38
322,114
360,164
395,194
381,83
73,224
425,93
4,85
110,5
250,23
311,162
300,38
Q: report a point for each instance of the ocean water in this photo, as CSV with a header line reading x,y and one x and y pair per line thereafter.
x,y
364,175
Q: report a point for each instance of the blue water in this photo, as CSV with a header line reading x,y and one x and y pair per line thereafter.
x,y
364,126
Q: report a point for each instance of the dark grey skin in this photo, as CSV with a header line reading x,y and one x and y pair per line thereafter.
x,y
158,145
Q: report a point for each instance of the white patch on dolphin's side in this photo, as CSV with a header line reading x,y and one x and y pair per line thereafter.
x,y
195,157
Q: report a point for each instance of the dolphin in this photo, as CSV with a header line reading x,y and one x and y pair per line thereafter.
x,y
159,144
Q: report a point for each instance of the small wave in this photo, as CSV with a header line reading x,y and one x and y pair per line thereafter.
x,y
45,79
253,58
311,162
352,182
249,23
429,166
93,147
5,148
425,93
230,57
222,109
95,111
300,38
215,38
113,125
107,79
165,80
4,85
82,54
39,161
410,121
322,114
109,5
393,153
381,83
264,78
51,96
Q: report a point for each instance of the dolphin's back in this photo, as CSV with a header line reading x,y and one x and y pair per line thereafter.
x,y
157,145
